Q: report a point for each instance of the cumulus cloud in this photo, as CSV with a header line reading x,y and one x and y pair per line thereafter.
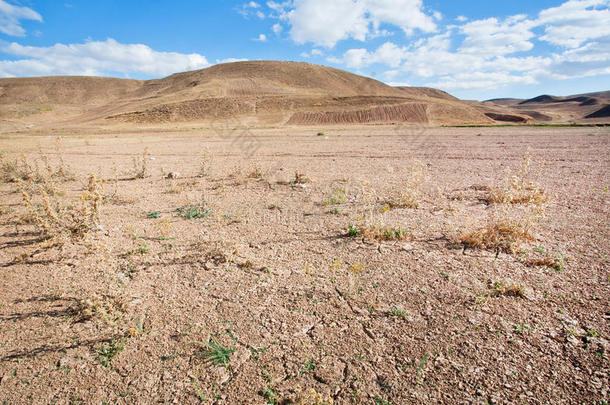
x,y
261,38
492,36
492,52
324,23
11,16
575,22
95,58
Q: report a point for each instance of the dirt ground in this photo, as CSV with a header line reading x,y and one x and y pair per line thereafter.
x,y
298,310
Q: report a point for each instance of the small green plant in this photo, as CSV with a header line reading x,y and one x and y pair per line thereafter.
x,y
336,211
382,401
309,365
193,211
153,214
321,134
216,353
396,312
592,333
110,350
353,231
270,395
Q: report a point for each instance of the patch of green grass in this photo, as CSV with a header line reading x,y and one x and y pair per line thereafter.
x,y
110,350
193,211
321,134
336,211
153,214
396,312
353,231
216,353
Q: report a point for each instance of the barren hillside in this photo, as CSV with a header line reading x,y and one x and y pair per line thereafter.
x,y
263,92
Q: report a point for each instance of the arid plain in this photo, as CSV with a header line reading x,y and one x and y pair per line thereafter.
x,y
384,264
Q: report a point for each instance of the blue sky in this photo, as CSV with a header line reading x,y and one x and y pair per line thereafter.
x,y
474,49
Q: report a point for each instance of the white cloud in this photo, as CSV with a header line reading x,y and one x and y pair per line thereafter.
x,y
461,18
389,54
95,58
11,16
493,52
251,8
575,22
261,38
495,37
325,23
277,28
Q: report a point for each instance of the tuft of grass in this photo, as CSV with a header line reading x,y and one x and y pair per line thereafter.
x,y
503,234
321,134
410,192
385,233
521,188
213,351
337,196
153,214
193,211
550,262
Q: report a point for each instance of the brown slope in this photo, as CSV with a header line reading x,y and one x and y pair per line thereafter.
x,y
265,92
65,90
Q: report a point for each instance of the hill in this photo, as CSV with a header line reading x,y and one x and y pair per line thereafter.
x,y
254,93
262,92
548,108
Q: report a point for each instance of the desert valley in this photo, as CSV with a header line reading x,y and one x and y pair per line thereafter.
x,y
280,232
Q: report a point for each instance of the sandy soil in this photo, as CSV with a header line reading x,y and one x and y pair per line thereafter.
x,y
311,314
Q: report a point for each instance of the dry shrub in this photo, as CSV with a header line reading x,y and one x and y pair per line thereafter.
x,y
513,220
505,230
507,289
385,233
140,165
56,218
165,229
105,307
522,188
307,397
300,178
549,262
20,169
256,173
411,190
